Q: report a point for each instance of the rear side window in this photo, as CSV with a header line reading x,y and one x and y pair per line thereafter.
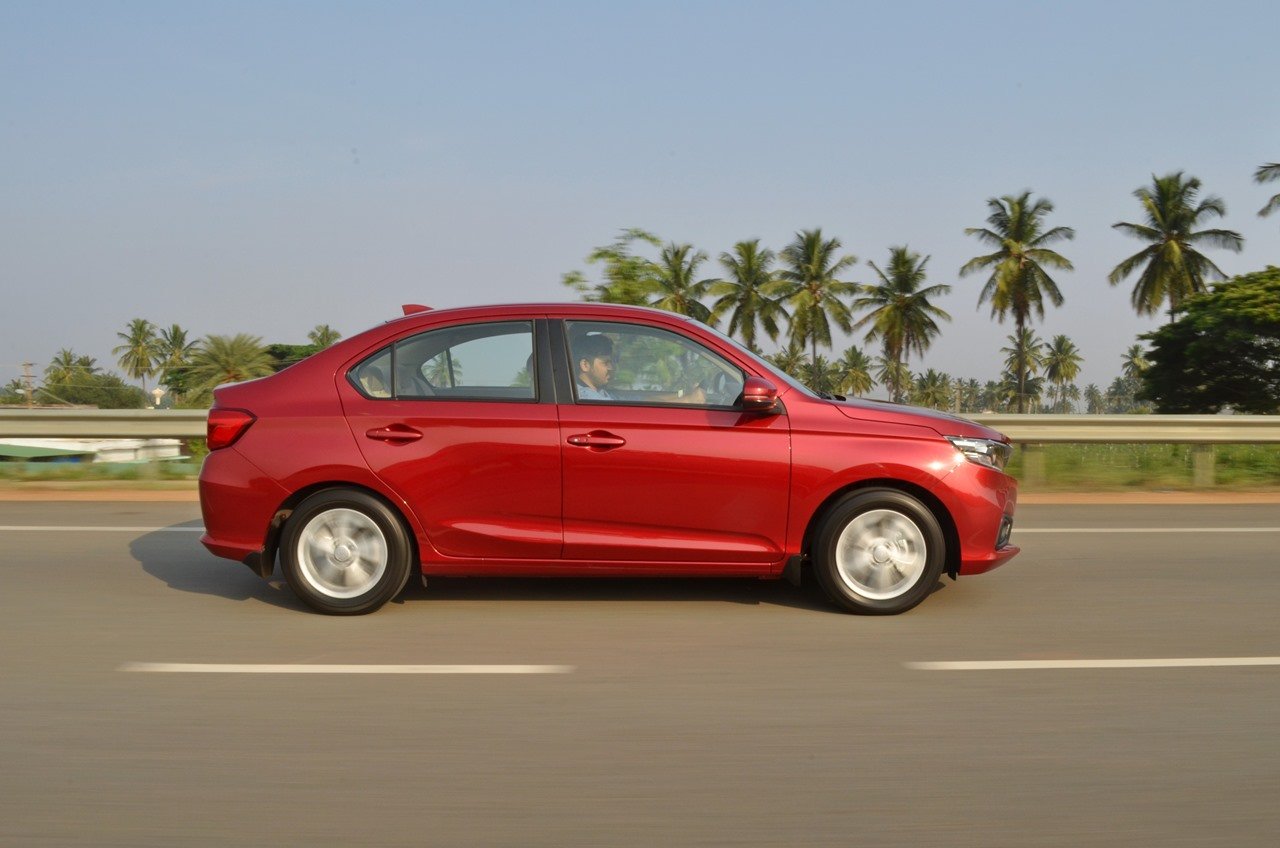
x,y
472,362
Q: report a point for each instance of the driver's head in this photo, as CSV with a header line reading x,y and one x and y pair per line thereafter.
x,y
594,357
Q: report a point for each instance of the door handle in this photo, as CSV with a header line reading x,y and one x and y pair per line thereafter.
x,y
394,433
597,439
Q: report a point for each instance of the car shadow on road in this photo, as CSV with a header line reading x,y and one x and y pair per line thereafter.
x,y
744,591
176,556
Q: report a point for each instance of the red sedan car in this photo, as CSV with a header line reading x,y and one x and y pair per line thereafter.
x,y
588,439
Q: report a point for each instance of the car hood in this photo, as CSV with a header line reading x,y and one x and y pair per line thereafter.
x,y
944,423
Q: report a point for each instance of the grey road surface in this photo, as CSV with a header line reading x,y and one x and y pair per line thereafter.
x,y
733,713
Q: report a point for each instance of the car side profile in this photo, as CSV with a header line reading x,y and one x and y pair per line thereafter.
x,y
588,440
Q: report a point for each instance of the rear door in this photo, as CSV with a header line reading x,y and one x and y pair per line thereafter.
x,y
668,469
461,421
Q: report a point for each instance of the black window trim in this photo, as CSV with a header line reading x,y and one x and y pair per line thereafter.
x,y
571,397
543,391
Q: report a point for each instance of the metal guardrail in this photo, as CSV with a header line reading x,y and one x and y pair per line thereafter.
x,y
1130,429
102,423
1025,429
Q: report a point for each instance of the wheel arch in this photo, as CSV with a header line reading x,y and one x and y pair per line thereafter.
x,y
276,526
920,493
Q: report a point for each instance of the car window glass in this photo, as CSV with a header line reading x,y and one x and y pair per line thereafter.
x,y
648,365
373,376
469,362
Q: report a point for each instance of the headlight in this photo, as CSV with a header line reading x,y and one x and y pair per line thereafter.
x,y
988,452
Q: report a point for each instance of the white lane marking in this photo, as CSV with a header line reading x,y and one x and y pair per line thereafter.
x,y
1018,530
1023,665
315,668
97,529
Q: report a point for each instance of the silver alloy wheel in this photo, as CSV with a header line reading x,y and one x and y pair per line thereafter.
x,y
881,554
342,553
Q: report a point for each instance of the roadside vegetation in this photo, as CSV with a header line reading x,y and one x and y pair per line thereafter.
x,y
1220,349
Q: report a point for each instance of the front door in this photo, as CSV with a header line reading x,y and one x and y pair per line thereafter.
x,y
660,467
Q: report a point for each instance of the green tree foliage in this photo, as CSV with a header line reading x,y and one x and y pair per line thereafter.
x,y
674,284
1265,174
13,392
809,284
1172,267
853,372
173,355
1095,403
284,355
226,359
1062,361
74,380
1222,352
899,313
140,350
1024,357
749,274
628,278
1019,282
323,336
932,389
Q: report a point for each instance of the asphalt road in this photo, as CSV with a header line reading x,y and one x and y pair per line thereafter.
x,y
695,713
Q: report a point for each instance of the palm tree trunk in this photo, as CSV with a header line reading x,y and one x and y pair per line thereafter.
x,y
1022,373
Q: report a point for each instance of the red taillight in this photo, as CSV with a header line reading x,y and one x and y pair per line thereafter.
x,y
227,425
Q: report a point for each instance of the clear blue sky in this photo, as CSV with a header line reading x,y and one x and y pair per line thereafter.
x,y
265,167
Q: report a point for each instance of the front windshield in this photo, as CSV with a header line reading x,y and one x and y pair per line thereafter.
x,y
764,364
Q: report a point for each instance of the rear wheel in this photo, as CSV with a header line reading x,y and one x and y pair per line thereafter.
x,y
345,552
878,552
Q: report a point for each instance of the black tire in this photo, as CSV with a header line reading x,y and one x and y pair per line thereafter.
x,y
891,558
344,552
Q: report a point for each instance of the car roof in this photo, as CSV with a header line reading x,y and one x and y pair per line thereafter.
x,y
561,308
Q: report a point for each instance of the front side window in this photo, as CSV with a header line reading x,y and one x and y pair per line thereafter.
x,y
630,363
470,362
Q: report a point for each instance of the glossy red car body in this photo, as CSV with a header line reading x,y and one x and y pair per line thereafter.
x,y
510,488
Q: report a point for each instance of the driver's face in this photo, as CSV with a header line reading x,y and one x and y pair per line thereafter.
x,y
597,371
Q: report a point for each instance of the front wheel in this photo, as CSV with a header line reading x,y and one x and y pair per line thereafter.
x,y
878,552
345,552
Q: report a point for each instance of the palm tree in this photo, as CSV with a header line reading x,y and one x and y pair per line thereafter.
x,y
809,283
1172,268
1019,283
969,395
791,360
891,372
750,274
173,352
1134,362
228,359
901,315
1265,174
140,350
932,389
1095,403
1023,359
854,370
66,366
674,286
1062,363
323,336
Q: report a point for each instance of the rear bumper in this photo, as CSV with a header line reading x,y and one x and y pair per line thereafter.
x,y
238,502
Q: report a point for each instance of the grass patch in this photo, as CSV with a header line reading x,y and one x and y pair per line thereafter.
x,y
1089,467
74,472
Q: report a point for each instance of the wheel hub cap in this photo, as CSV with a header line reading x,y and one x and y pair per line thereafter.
x,y
342,553
881,554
